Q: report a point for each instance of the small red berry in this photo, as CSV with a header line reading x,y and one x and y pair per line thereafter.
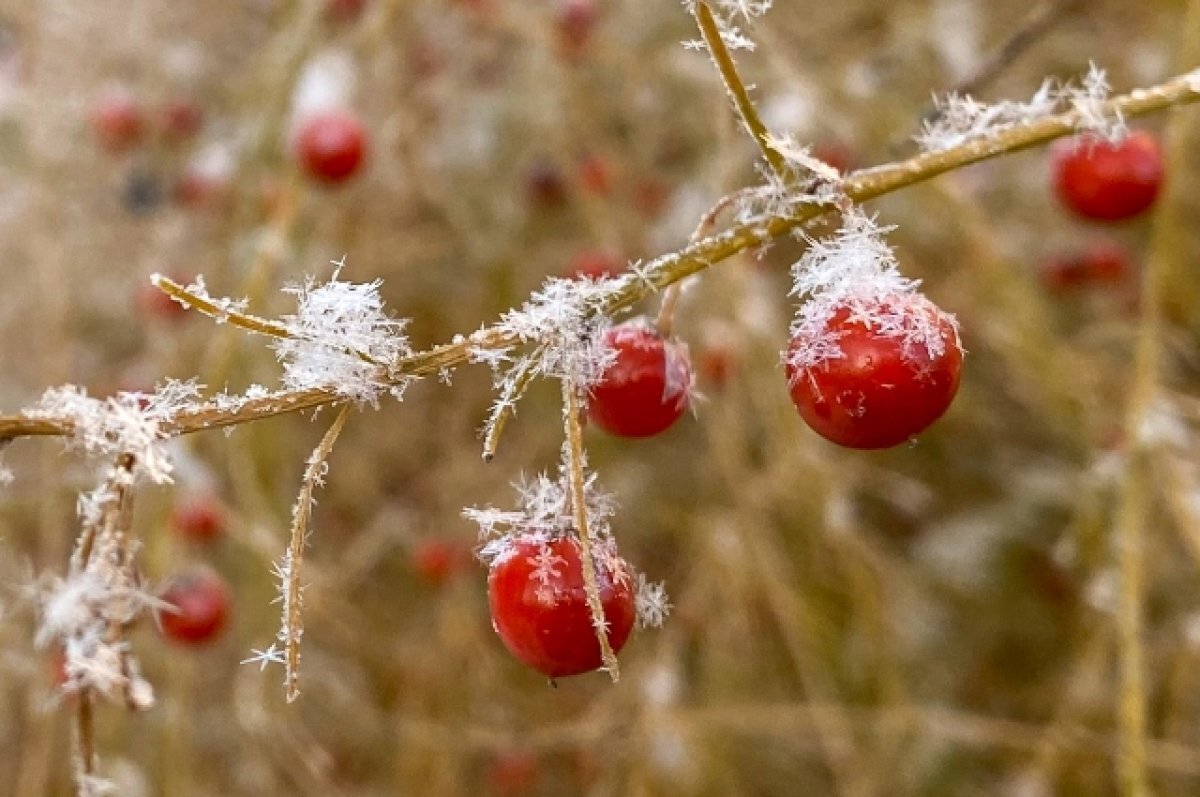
x,y
436,561
330,146
646,388
594,264
512,773
576,21
199,518
595,175
836,153
539,605
544,186
202,602
180,120
117,121
1108,182
1104,263
895,371
341,11
650,197
716,364
157,305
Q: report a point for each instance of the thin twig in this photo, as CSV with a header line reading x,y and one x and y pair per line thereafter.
x,y
1040,21
250,323
292,599
670,268
736,88
506,407
574,431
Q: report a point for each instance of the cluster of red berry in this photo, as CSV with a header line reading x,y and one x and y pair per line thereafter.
x,y
1107,183
199,598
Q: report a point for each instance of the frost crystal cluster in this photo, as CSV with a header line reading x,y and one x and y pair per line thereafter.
x,y
961,118
340,338
855,270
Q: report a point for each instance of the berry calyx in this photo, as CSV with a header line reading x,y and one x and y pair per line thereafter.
x,y
201,602
646,388
118,121
199,518
1105,181
330,146
539,604
876,372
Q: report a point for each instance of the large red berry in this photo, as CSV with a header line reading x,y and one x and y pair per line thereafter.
x,y
539,605
330,146
118,121
202,601
646,388
875,376
1108,182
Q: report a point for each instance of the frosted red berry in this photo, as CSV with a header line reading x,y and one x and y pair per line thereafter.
x,y
118,121
896,369
1105,181
201,602
330,146
198,517
646,388
539,605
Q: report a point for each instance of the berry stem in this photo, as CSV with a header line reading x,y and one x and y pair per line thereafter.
x,y
85,739
572,407
503,410
293,626
736,88
672,267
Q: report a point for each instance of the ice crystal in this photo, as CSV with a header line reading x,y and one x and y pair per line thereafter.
x,y
961,118
855,271
651,603
340,338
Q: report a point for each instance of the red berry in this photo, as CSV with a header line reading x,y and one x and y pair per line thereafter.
x,y
544,186
836,153
894,372
344,10
512,773
179,120
155,304
330,146
595,175
594,264
650,196
1104,263
117,121
199,518
202,603
436,561
715,365
539,605
576,21
1108,182
646,388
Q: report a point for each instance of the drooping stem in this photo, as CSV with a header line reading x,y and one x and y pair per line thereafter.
x,y
250,323
293,626
578,485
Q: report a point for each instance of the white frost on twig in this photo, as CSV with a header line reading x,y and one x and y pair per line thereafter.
x,y
340,338
962,118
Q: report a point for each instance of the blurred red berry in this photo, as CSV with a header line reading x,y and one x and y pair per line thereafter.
x,y
118,121
594,264
886,385
539,606
512,773
180,120
595,175
646,389
202,604
1108,182
544,186
650,197
715,366
198,517
436,561
576,21
836,153
330,146
154,304
1103,263
341,11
